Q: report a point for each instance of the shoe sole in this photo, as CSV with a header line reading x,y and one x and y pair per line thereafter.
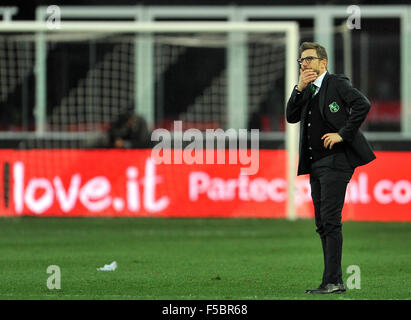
x,y
336,291
314,292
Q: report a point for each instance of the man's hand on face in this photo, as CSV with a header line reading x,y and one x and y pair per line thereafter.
x,y
306,76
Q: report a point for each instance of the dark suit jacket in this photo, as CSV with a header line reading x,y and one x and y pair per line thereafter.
x,y
353,110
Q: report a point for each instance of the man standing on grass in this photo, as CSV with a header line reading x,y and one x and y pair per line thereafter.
x,y
330,112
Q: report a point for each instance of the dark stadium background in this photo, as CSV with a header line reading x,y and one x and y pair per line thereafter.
x,y
379,61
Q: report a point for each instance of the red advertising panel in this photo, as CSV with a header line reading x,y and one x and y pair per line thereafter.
x,y
100,183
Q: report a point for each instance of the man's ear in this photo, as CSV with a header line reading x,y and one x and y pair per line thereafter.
x,y
325,63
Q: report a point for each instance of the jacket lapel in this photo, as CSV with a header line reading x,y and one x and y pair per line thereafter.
x,y
322,93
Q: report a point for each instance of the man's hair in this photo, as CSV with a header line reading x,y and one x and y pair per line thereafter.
x,y
321,52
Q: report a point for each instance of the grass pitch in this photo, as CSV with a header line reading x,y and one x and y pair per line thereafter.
x,y
195,258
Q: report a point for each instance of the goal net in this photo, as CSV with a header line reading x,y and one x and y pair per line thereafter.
x,y
65,81
67,87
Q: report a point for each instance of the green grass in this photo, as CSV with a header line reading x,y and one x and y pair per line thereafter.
x,y
195,258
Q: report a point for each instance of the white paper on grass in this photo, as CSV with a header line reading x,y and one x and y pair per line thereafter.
x,y
109,267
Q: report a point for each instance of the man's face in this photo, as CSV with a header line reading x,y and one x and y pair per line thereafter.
x,y
316,65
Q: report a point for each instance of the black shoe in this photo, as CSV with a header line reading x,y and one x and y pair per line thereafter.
x,y
321,286
328,288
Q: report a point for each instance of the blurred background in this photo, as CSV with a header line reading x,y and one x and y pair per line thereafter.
x,y
73,92
86,85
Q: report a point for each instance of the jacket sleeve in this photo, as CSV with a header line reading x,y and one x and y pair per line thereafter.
x,y
359,107
294,106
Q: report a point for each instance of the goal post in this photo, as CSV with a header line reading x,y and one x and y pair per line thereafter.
x,y
141,91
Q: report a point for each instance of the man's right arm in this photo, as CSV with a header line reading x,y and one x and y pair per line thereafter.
x,y
296,102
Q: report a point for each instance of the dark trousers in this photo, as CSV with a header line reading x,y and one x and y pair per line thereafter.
x,y
329,178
